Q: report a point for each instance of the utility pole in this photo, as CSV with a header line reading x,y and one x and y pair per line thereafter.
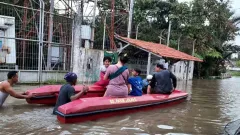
x,y
50,33
77,66
112,46
169,32
40,36
179,38
137,30
93,23
193,51
130,18
161,33
104,30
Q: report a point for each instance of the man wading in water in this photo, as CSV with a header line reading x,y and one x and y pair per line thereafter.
x,y
6,88
67,91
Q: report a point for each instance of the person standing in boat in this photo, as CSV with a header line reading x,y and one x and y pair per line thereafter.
x,y
135,83
106,61
163,81
6,88
118,75
67,91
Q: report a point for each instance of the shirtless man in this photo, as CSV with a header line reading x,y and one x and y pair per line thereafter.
x,y
6,88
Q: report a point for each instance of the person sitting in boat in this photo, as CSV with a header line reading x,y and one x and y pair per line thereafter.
x,y
67,91
135,83
6,88
163,81
106,61
146,82
118,75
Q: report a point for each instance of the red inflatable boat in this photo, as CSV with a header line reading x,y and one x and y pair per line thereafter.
x,y
47,95
94,108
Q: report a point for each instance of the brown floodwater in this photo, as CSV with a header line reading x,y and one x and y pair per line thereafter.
x,y
210,106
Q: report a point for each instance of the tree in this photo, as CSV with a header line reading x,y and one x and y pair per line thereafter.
x,y
208,24
238,63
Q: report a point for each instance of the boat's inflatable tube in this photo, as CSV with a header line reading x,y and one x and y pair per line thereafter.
x,y
48,94
94,108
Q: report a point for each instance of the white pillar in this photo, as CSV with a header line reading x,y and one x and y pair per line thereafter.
x,y
77,42
149,63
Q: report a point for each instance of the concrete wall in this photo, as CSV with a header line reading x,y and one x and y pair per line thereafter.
x,y
89,63
7,46
180,70
89,67
31,76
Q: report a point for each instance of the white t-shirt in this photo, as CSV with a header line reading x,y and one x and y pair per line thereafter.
x,y
166,65
103,68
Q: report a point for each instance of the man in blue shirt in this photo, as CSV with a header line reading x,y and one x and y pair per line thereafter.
x,y
135,83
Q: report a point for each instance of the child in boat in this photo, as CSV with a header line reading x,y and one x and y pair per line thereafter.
x,y
67,91
146,82
135,83
118,75
106,62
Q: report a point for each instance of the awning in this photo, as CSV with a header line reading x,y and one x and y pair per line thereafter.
x,y
158,49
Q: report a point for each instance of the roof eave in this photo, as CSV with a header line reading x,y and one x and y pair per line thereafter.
x,y
158,55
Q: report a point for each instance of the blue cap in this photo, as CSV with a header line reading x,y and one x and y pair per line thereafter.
x,y
70,77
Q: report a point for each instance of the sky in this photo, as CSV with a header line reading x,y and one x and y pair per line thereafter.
x,y
235,4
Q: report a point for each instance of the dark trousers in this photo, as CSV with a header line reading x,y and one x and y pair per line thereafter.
x,y
159,92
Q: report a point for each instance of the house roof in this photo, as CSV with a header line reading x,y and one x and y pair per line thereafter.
x,y
159,49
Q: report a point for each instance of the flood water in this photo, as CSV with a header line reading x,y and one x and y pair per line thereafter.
x,y
210,106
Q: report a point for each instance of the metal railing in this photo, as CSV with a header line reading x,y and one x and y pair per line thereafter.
x,y
30,41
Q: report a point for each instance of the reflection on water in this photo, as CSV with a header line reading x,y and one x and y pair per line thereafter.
x,y
210,106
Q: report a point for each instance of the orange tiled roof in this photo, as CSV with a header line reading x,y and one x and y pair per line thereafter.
x,y
160,49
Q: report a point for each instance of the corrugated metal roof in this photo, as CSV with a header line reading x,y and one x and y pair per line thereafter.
x,y
159,49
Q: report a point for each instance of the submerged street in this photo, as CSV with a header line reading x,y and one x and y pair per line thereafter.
x,y
210,106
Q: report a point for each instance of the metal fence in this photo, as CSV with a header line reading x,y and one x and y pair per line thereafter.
x,y
20,40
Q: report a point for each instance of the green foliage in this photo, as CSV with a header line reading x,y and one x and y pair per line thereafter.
x,y
234,73
206,22
198,56
238,63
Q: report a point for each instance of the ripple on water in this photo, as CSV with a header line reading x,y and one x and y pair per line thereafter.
x,y
141,134
39,118
177,134
213,104
65,132
165,127
129,128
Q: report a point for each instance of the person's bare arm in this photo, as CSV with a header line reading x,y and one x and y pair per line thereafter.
x,y
149,89
77,96
106,74
10,91
151,84
105,77
129,88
